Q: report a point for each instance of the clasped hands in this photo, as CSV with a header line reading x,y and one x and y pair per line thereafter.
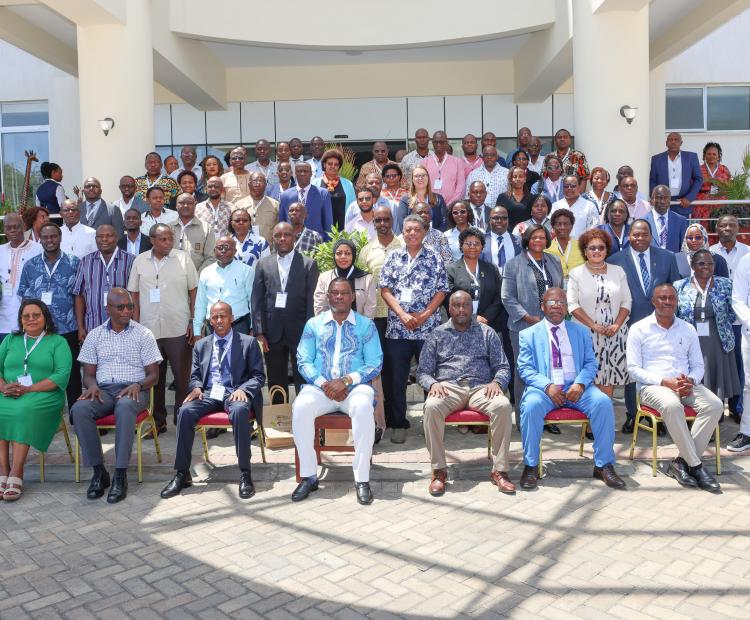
x,y
559,396
605,330
492,389
197,394
14,389
682,385
415,320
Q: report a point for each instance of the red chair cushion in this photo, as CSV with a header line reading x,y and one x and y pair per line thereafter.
x,y
689,411
218,418
565,414
109,420
466,416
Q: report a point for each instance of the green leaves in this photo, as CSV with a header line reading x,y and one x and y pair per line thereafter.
x,y
323,254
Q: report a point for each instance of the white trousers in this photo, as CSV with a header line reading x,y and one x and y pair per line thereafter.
x,y
311,403
745,422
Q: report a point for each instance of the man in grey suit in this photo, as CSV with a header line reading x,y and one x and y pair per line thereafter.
x,y
95,212
646,266
129,199
282,302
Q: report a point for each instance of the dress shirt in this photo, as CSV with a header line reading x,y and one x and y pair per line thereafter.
x,y
472,165
167,217
584,211
330,351
449,174
317,167
638,209
232,284
252,248
507,243
536,166
36,280
124,206
661,227
12,261
741,294
264,213
215,367
566,351
475,356
495,180
554,188
373,255
79,241
655,353
133,247
636,259
733,256
674,168
91,209
285,265
216,217
271,171
359,223
236,186
479,221
120,357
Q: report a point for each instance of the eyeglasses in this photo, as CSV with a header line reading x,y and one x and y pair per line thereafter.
x,y
224,248
596,248
459,212
553,303
570,185
236,158
382,220
704,263
499,217
90,185
121,307
472,244
31,316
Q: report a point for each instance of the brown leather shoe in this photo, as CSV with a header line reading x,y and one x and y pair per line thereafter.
x,y
437,485
502,482
608,476
529,477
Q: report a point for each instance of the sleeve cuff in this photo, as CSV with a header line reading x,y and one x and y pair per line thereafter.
x,y
355,377
319,381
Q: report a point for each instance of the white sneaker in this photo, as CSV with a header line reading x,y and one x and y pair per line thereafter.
x,y
739,444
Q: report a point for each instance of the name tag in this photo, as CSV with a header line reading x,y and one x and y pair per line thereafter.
x,y
47,297
154,295
217,392
25,380
558,377
280,300
104,297
702,328
406,296
437,184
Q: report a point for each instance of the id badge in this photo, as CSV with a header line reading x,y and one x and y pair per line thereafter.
x,y
25,380
154,295
47,297
475,306
437,184
280,300
702,328
104,297
558,376
406,296
217,392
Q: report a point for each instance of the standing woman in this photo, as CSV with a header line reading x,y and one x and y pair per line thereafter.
x,y
35,366
696,238
563,245
533,180
50,194
599,298
420,191
517,199
616,225
712,170
392,190
211,167
33,220
598,194
540,208
705,301
251,245
339,188
460,217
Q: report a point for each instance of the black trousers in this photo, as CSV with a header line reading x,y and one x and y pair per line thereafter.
x,y
385,373
399,352
74,389
277,364
177,352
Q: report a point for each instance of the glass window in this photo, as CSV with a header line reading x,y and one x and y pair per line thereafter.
x,y
24,114
14,164
684,108
728,108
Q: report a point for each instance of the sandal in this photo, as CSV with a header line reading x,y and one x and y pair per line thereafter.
x,y
13,489
3,485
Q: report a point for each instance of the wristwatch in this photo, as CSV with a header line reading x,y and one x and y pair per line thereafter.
x,y
347,380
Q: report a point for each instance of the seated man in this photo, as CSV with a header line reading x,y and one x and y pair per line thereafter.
x,y
339,355
664,358
463,366
227,375
557,363
120,361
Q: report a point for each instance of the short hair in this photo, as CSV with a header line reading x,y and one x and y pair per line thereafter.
x,y
412,218
154,188
546,200
701,251
49,323
601,170
51,225
562,213
594,233
154,154
471,231
340,279
394,167
187,173
335,153
134,210
154,230
530,230
469,213
365,189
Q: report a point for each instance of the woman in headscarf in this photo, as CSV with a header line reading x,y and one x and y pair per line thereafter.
x,y
696,238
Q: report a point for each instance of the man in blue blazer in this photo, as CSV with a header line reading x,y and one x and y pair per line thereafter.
x,y
227,375
657,267
660,216
557,363
680,171
317,201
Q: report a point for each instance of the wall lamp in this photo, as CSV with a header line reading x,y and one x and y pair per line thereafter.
x,y
628,113
107,123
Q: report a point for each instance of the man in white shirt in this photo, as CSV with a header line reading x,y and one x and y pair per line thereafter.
x,y
263,164
317,148
363,220
128,198
77,239
536,160
741,306
664,357
584,211
493,175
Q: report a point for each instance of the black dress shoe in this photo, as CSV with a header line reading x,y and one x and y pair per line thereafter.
x,y
119,489
736,417
247,488
628,426
181,480
552,429
529,477
678,469
160,430
364,493
705,480
304,489
608,476
378,435
99,482
589,435
213,433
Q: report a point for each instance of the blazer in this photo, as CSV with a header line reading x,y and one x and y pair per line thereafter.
x,y
364,293
533,363
663,268
692,177
246,367
677,226
439,220
720,295
283,325
616,247
487,250
583,290
489,288
145,245
105,214
318,204
519,292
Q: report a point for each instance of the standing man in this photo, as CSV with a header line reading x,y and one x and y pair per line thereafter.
x,y
154,178
236,182
128,198
305,240
13,257
191,235
157,213
50,277
317,202
471,160
479,205
163,283
295,149
95,211
189,157
120,364
413,158
637,207
263,163
283,156
317,148
491,174
536,161
215,211
286,180
680,171
133,241
447,173
741,306
668,227
413,284
263,210
375,165
363,220
282,302
106,268
584,210
77,239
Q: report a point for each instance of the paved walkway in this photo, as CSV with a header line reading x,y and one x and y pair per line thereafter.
x,y
571,549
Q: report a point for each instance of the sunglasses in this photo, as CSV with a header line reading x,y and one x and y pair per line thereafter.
x,y
121,307
570,185
694,238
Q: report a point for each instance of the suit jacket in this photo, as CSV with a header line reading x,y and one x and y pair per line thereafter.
x,y
519,293
616,247
105,214
663,268
145,246
489,288
246,368
677,226
485,255
283,324
692,177
318,204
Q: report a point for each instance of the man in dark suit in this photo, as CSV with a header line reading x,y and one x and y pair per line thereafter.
x,y
646,266
317,201
133,241
282,302
227,375
95,212
477,199
680,171
667,227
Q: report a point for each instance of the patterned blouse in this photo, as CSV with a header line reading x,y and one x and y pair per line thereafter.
x,y
720,295
252,249
36,283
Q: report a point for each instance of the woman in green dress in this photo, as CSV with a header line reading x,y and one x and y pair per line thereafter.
x,y
34,369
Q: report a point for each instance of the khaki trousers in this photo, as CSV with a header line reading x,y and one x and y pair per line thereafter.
x,y
437,409
691,444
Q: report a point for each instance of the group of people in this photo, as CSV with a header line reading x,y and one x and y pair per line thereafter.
x,y
521,282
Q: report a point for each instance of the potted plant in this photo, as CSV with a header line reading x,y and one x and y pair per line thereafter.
x,y
735,189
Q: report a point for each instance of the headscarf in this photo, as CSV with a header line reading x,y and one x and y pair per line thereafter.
x,y
689,253
353,272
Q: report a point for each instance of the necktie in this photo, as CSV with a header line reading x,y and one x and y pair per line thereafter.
x,y
302,195
663,233
644,273
501,253
89,211
556,353
226,379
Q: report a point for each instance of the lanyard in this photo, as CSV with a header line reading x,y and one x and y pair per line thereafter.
x,y
566,254
541,270
703,296
438,164
29,352
107,265
712,173
54,268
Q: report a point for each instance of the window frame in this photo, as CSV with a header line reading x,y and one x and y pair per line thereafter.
x,y
705,88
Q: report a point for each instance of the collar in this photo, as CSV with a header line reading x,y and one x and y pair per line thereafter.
x,y
328,317
549,326
651,319
636,253
114,254
287,257
108,325
472,325
228,337
152,257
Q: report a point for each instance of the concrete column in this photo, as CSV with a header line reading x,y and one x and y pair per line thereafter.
x,y
611,69
116,79
658,112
